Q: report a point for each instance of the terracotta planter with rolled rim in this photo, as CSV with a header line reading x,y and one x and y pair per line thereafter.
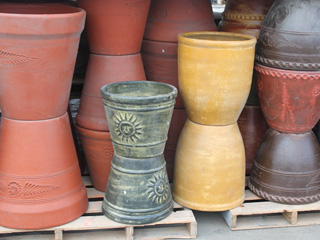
x,y
286,168
252,126
161,64
40,180
290,100
98,151
37,69
103,69
115,27
246,17
169,18
215,72
290,36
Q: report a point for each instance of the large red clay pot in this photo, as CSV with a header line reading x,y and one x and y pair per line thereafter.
x,y
178,120
40,181
160,63
115,27
102,70
37,69
98,150
290,100
169,18
252,126
246,17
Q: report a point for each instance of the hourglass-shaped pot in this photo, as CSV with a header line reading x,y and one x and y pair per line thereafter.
x,y
139,115
215,72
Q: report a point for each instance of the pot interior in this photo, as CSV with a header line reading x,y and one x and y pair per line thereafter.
x,y
214,37
36,9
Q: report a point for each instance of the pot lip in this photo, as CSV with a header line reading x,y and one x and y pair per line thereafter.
x,y
244,39
285,73
73,11
92,132
137,100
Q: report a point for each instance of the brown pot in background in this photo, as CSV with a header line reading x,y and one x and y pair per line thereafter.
x,y
246,17
40,180
289,37
286,168
103,69
115,27
252,127
290,100
98,150
160,63
178,120
169,18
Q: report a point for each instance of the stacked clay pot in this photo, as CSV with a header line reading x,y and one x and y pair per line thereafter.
x,y
246,17
287,165
215,73
114,30
159,52
40,180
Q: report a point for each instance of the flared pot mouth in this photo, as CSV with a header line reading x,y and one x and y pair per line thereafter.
x,y
37,18
138,92
217,39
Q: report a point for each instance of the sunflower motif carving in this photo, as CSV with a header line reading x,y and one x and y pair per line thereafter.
x,y
3,186
7,58
29,190
128,127
158,188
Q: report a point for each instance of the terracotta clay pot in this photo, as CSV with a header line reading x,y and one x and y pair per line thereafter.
x,y
139,115
246,17
161,64
290,100
115,27
169,18
209,172
98,150
37,69
287,169
103,70
289,37
252,126
179,118
215,72
40,181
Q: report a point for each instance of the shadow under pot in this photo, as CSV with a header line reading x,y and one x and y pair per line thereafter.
x,y
286,168
290,100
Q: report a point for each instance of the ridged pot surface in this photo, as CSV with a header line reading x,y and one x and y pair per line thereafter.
x,y
40,180
215,72
169,18
287,168
209,172
115,27
139,115
290,34
37,69
290,100
102,70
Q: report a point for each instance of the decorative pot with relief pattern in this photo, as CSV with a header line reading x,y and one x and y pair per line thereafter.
x,y
139,115
290,36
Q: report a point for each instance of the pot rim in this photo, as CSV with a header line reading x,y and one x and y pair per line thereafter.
x,y
138,100
195,39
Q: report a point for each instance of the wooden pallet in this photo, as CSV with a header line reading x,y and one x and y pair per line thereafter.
x,y
257,213
181,224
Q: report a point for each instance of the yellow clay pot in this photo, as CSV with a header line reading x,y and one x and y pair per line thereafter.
x,y
209,167
215,74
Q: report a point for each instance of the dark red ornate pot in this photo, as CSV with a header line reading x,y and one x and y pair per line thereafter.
x,y
37,69
115,27
252,127
169,18
98,150
103,69
178,120
287,168
290,36
246,17
290,100
160,63
40,181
